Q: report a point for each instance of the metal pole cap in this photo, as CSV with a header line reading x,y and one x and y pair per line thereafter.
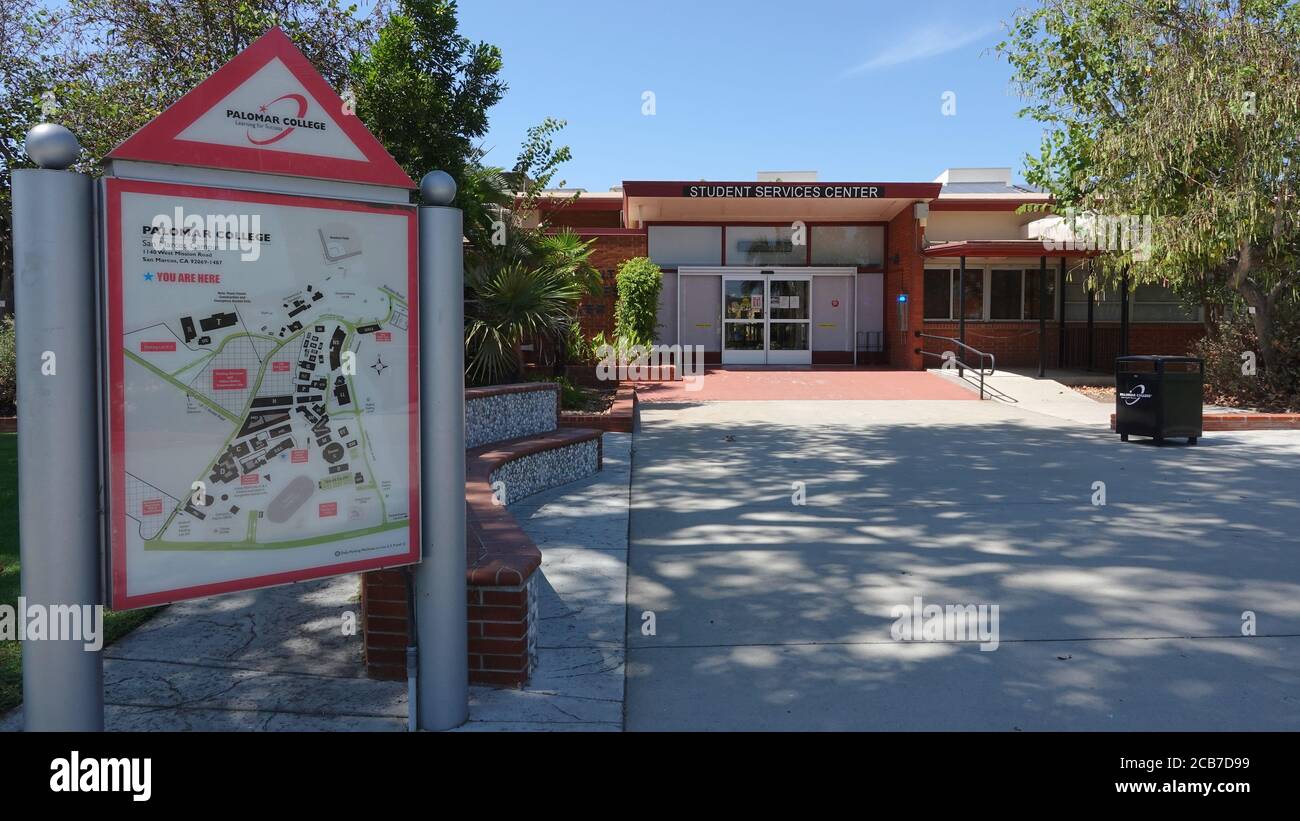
x,y
438,188
52,146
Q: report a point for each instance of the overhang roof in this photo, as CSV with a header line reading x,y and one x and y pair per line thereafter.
x,y
1003,248
680,188
688,201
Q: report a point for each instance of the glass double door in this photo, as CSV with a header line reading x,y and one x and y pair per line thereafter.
x,y
766,320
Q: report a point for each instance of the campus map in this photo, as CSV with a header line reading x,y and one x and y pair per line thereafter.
x,y
267,385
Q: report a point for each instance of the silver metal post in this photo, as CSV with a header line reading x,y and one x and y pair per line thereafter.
x,y
439,580
58,432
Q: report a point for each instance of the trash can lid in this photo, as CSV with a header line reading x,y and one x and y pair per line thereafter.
x,y
1157,358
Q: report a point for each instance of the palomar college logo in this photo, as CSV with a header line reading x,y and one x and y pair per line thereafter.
x,y
302,111
277,122
1134,396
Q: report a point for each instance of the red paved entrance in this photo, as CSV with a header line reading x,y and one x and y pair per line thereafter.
x,y
731,384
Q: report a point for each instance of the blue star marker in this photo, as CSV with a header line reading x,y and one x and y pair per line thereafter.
x,y
148,277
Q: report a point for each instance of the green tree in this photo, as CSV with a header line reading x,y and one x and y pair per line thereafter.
x,y
110,66
1184,110
8,367
113,65
523,282
521,293
637,310
424,90
121,62
23,81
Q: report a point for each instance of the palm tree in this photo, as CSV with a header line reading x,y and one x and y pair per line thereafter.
x,y
484,196
527,289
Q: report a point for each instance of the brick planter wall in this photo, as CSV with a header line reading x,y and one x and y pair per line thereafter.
x,y
385,621
1244,421
620,419
501,559
502,634
502,412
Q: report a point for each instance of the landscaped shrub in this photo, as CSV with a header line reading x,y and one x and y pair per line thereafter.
x,y
1222,349
637,309
572,397
577,349
8,368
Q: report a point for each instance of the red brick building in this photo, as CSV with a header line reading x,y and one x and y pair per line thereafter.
x,y
787,270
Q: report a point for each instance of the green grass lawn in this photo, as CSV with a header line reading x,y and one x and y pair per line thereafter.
x,y
116,625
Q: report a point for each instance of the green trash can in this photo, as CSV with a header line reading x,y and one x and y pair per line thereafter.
x,y
1158,397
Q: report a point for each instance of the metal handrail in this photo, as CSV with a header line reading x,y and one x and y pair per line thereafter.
x,y
992,366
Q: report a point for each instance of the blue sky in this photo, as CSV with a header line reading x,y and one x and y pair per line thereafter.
x,y
852,90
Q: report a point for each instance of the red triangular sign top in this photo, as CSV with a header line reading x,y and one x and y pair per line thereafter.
x,y
268,110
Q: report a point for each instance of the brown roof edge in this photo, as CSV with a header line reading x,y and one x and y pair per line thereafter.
x,y
986,204
1003,248
676,188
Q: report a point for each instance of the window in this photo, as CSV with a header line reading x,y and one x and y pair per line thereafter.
x,y
861,245
1105,306
942,293
1156,303
674,245
763,245
1031,294
938,294
974,292
1147,303
1005,294
743,299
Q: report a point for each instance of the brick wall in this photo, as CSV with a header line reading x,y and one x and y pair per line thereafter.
x,y
502,634
907,274
578,219
1015,344
502,629
610,249
1163,339
384,607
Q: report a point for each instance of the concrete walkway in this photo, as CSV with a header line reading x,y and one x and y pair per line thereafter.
x,y
772,615
1046,396
278,659
581,529
734,383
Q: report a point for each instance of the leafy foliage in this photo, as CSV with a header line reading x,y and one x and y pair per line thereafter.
x,y
1184,110
577,349
1222,348
523,282
113,65
424,90
23,79
637,310
422,87
524,291
8,367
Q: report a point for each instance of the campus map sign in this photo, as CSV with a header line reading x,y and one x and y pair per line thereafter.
x,y
262,347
